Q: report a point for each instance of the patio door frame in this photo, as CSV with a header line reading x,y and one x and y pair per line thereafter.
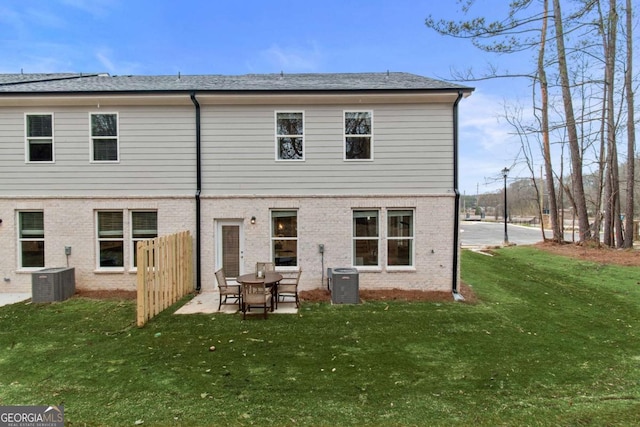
x,y
219,223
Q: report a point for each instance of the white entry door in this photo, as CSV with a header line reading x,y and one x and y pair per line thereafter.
x,y
230,247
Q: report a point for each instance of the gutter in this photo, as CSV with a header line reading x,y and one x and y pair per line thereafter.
x,y
456,214
198,191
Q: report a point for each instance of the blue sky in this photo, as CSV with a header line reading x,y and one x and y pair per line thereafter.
x,y
239,37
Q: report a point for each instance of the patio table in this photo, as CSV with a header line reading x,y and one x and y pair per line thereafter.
x,y
270,280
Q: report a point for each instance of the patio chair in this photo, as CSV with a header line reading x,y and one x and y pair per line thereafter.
x,y
288,286
228,291
255,295
265,266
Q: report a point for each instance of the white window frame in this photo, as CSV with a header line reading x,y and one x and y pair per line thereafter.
x,y
133,240
22,239
108,239
275,237
411,238
28,139
278,136
345,136
92,138
377,238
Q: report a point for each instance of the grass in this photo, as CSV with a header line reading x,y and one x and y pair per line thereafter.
x,y
553,341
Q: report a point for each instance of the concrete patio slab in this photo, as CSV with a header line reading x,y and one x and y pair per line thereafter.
x,y
12,298
207,303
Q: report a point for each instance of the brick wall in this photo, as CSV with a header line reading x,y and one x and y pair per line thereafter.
x,y
321,220
328,221
71,222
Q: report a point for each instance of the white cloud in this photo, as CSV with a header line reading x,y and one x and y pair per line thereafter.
x,y
487,142
93,7
114,67
13,19
41,17
293,59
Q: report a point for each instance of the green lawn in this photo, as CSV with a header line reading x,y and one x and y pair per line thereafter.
x,y
552,342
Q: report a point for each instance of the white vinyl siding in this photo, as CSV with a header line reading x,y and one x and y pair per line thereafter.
x,y
157,155
413,152
39,146
157,151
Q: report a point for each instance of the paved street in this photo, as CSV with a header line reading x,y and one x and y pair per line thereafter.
x,y
478,234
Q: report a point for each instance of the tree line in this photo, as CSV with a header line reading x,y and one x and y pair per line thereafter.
x,y
582,97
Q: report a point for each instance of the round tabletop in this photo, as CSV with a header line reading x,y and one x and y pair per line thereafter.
x,y
270,277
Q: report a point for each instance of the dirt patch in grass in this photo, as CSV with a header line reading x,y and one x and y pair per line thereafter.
x,y
591,252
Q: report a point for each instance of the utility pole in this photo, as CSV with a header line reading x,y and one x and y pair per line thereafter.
x,y
505,172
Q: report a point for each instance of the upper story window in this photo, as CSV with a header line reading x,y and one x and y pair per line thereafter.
x,y
39,134
366,238
31,238
144,226
290,135
104,137
358,135
400,235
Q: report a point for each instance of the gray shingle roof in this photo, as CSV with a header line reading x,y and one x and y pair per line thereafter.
x,y
82,83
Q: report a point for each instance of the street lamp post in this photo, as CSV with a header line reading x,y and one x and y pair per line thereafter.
x,y
505,172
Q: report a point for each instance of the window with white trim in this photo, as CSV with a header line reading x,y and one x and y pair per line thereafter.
x,y
110,239
284,238
39,137
144,226
31,239
104,137
289,135
366,238
400,238
358,135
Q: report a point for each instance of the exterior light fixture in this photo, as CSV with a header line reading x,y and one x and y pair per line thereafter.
x,y
253,220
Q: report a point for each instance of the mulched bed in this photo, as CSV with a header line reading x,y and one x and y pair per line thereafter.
x,y
320,295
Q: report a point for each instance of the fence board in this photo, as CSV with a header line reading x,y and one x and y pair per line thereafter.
x,y
165,273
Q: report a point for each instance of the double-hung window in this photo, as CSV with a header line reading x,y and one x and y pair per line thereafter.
x,y
31,237
289,135
104,137
284,238
358,135
144,226
400,238
366,238
110,239
39,140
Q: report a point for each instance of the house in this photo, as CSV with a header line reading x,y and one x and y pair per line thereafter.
x,y
312,171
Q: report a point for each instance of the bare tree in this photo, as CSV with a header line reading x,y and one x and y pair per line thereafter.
x,y
572,134
558,234
631,131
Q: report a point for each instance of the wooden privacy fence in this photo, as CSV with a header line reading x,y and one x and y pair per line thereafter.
x,y
165,273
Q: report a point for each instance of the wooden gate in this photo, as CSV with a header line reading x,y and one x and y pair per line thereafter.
x,y
165,273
